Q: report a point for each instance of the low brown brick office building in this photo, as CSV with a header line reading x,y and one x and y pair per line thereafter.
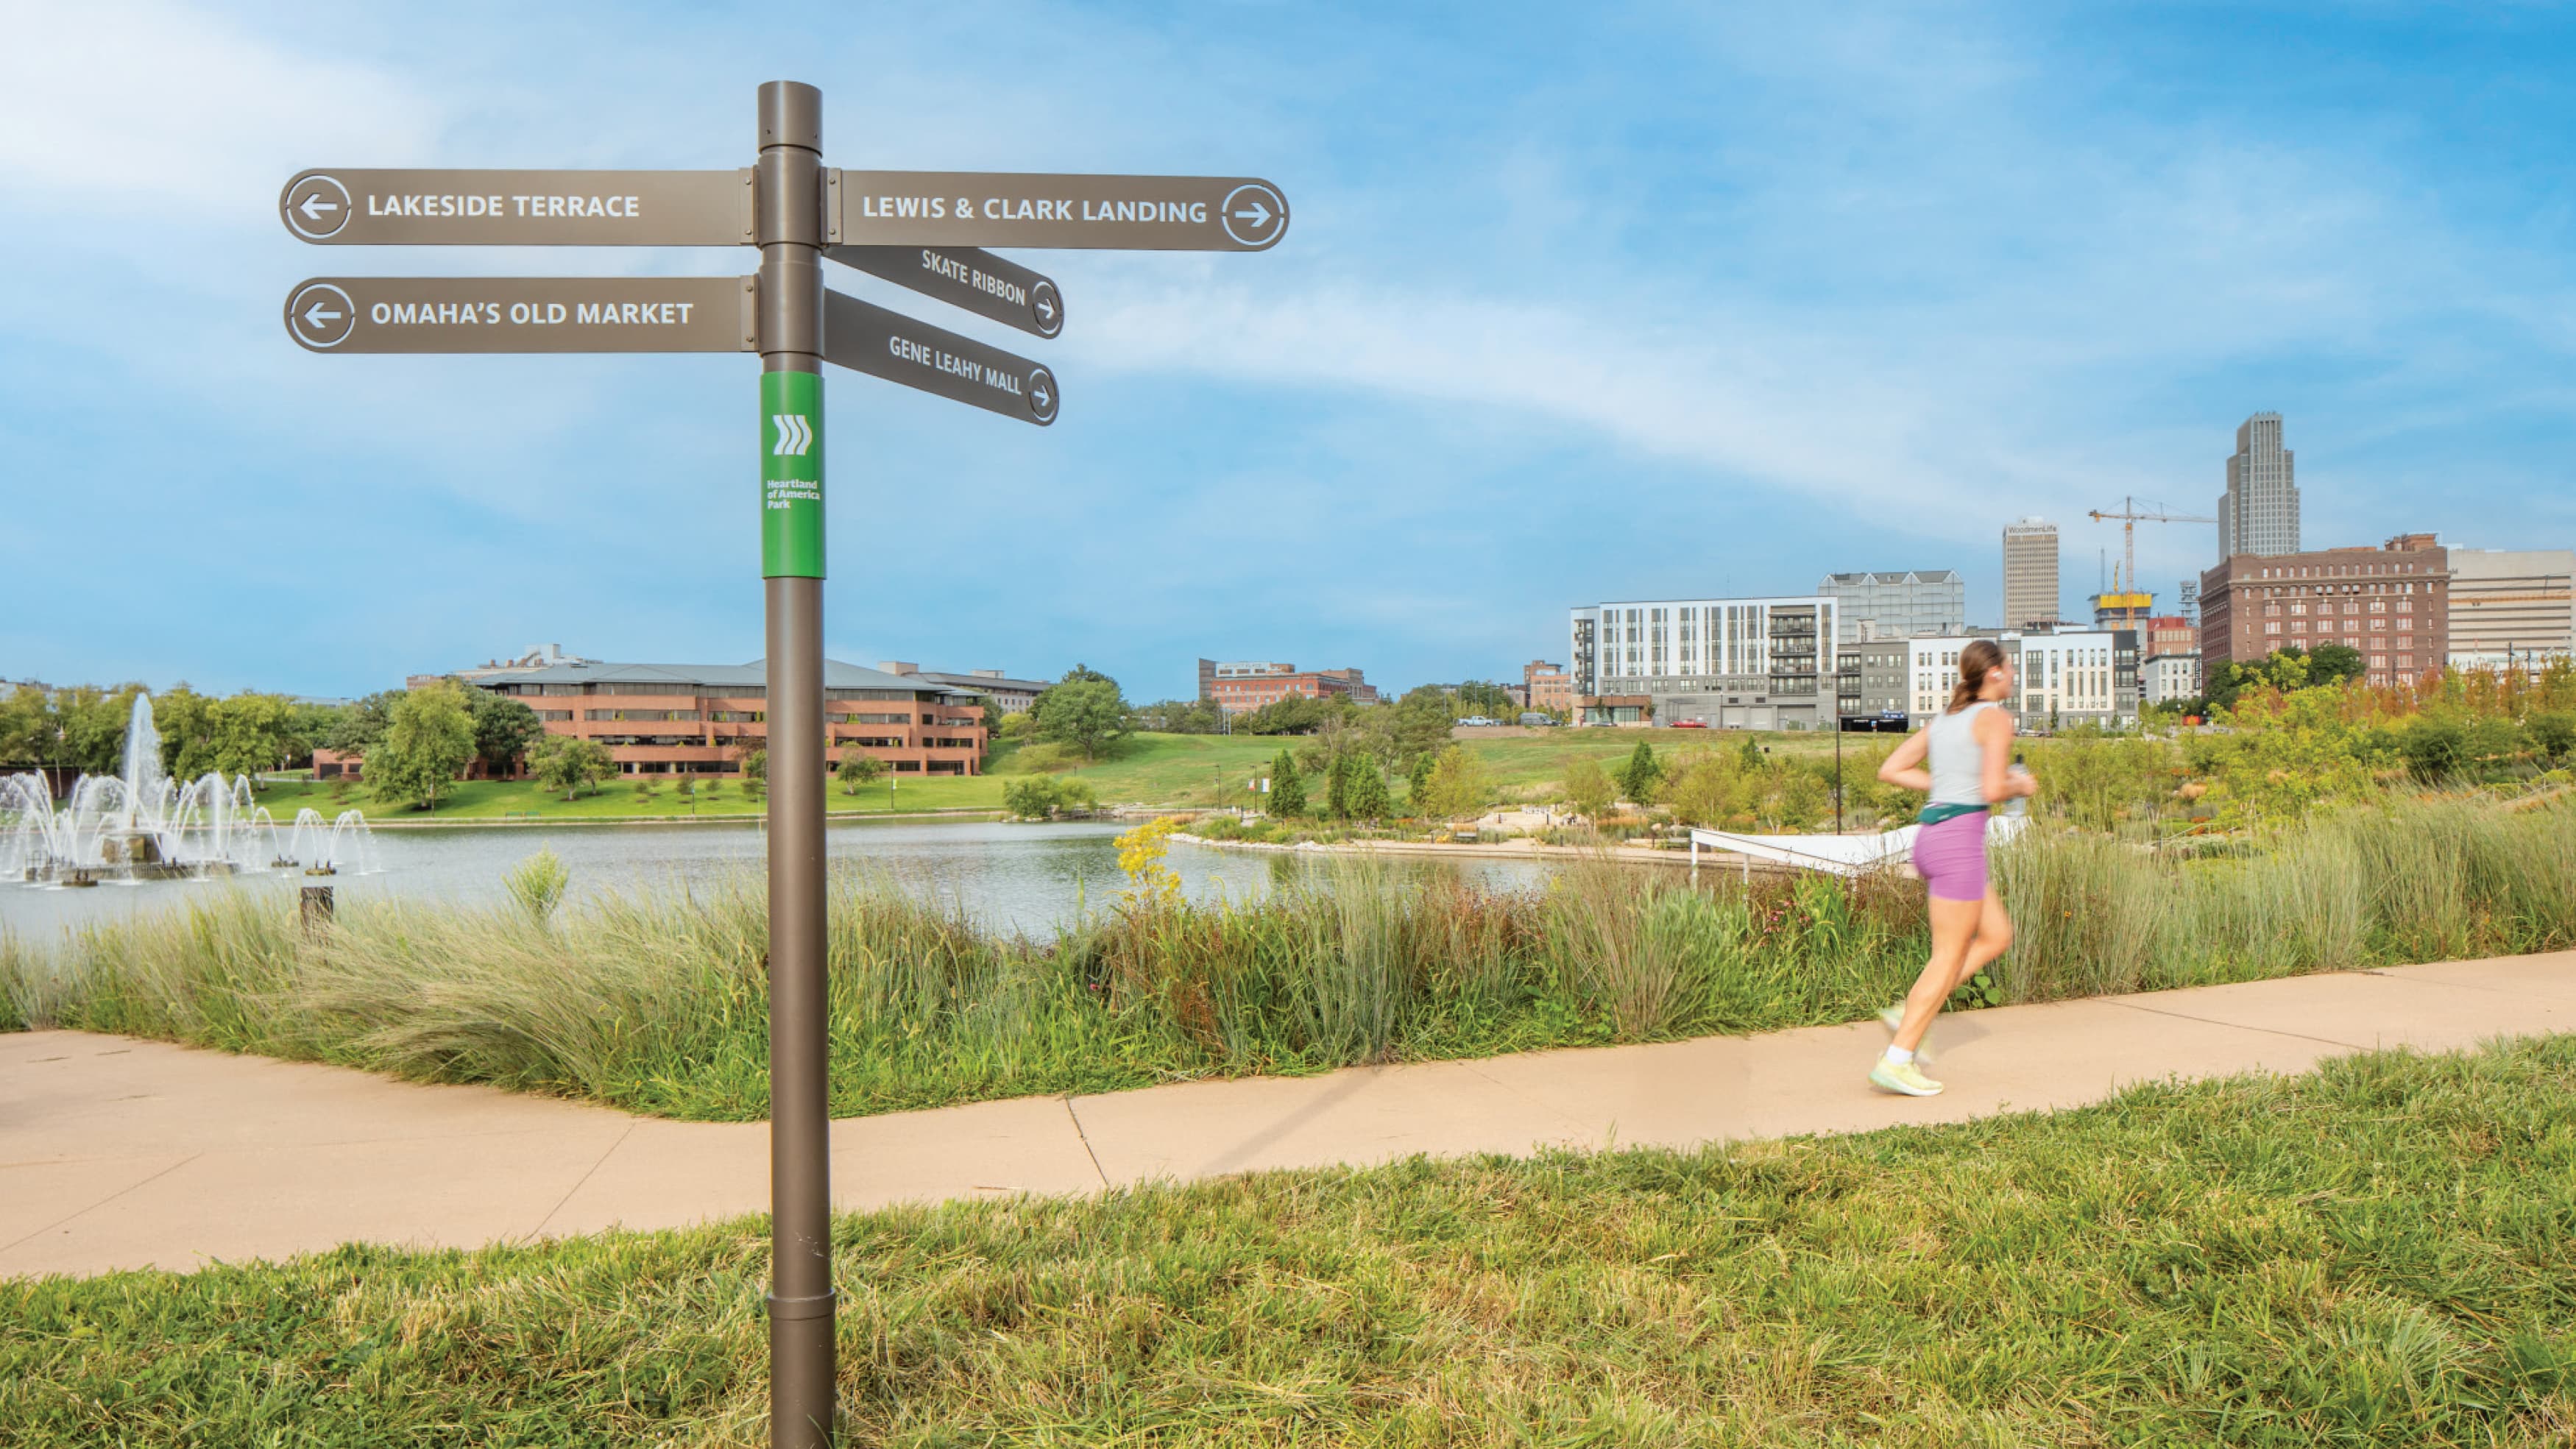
x,y
701,719
2391,602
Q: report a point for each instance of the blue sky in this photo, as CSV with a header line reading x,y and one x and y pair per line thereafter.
x,y
1668,300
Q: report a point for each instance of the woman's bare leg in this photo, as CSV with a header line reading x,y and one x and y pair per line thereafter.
x,y
1954,923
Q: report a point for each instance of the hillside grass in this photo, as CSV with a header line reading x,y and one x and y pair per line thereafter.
x,y
2382,1253
1195,771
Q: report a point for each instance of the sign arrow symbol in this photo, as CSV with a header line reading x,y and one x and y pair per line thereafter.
x,y
1046,310
314,206
1040,393
1256,213
317,315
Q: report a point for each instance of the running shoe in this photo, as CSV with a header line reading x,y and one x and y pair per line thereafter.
x,y
1905,1079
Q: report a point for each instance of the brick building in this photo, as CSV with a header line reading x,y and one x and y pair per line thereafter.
x,y
1239,687
2391,602
701,719
1549,686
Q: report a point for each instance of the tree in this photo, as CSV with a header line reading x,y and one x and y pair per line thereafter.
x,y
1479,696
1417,783
1085,713
26,726
1295,715
755,765
428,739
1337,787
2554,734
1287,791
563,762
1459,785
1749,758
1637,778
89,727
1419,724
363,723
2334,663
1367,798
858,770
1041,796
1710,791
1181,717
1591,789
503,729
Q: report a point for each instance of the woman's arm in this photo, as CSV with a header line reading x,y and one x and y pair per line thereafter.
x,y
1995,778
1904,765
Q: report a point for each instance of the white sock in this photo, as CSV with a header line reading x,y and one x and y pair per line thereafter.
x,y
1898,1056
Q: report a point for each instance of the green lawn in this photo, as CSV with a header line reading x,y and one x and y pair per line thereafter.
x,y
2383,1253
1151,769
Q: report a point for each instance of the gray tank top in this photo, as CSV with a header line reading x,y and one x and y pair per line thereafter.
x,y
1958,764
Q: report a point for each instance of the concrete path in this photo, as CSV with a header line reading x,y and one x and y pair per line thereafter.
x,y
116,1153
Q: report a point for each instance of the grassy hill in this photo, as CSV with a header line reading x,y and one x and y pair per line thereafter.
x,y
1148,769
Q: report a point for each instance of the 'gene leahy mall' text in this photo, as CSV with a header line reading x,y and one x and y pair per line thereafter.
x,y
923,355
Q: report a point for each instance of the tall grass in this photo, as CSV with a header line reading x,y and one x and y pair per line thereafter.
x,y
657,1000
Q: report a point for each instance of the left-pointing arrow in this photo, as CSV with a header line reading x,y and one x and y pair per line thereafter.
x,y
317,316
314,206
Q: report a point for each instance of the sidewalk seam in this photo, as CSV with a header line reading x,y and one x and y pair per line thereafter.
x,y
1084,1138
2240,1026
585,1178
102,1202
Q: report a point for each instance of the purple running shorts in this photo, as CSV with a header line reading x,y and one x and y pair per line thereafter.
x,y
1951,857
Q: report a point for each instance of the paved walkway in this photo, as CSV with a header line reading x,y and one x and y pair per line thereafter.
x,y
117,1153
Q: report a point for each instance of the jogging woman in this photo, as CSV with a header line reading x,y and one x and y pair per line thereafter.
x,y
1964,759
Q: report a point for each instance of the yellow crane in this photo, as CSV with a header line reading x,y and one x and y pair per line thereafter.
x,y
2125,595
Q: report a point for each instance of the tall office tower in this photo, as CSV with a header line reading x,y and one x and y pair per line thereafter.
x,y
2030,574
2259,512
2191,601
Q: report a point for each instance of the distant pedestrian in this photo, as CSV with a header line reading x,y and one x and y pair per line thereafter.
x,y
1963,759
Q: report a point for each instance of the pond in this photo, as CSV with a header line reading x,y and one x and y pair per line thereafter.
x,y
1008,876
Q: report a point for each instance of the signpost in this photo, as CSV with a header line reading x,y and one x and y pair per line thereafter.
x,y
870,339
519,208
522,314
966,277
1016,209
920,230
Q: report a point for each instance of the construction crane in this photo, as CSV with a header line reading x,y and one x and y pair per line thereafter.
x,y
2124,594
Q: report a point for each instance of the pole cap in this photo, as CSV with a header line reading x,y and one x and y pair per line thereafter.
x,y
791,114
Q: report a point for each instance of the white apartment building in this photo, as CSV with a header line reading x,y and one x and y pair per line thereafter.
x,y
1892,604
1726,663
2084,677
2164,678
2512,607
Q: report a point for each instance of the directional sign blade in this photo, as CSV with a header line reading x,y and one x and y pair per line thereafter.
x,y
966,277
519,208
1012,209
868,338
522,314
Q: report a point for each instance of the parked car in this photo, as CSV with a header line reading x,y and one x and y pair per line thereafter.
x,y
1535,719
1475,719
1690,724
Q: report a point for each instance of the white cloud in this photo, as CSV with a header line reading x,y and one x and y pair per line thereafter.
x,y
171,113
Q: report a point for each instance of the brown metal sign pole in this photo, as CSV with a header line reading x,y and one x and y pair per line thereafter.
x,y
788,220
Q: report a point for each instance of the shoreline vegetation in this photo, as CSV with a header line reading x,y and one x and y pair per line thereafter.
x,y
655,1001
2374,1253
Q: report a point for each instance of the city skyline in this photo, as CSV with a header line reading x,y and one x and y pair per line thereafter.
x,y
1667,347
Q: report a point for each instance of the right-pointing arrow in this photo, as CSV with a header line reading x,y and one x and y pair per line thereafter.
x,y
1256,213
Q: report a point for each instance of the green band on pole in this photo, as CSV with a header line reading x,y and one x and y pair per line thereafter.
x,y
791,475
